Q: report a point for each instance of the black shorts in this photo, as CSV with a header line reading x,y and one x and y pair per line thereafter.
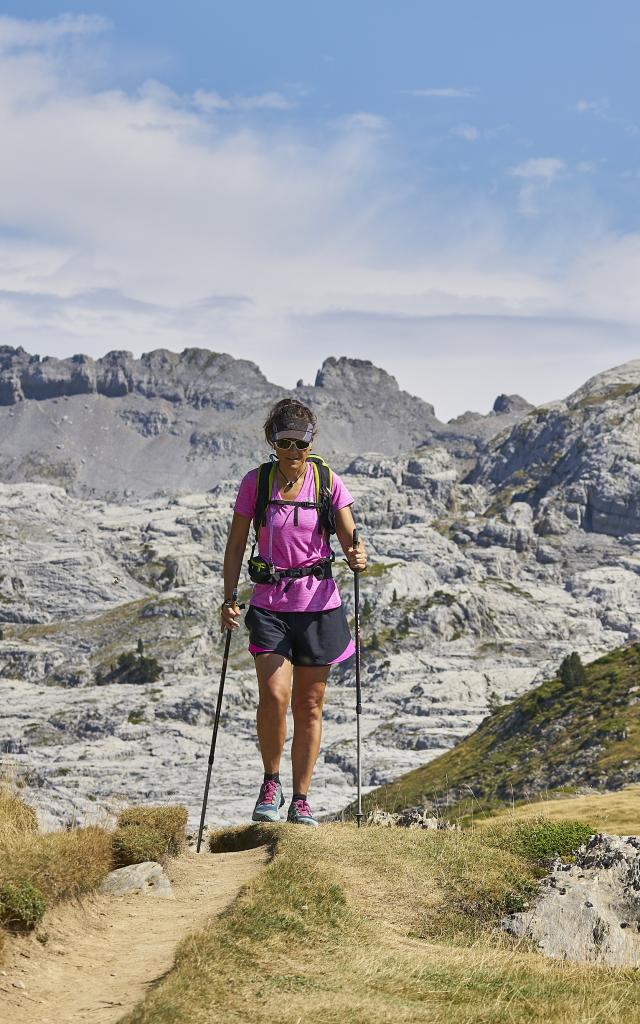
x,y
305,638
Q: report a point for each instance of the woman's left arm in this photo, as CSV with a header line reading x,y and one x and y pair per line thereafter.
x,y
356,557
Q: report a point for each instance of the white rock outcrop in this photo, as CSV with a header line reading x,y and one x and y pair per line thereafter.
x,y
589,911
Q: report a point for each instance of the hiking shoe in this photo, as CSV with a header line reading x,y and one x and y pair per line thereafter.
x,y
269,802
300,814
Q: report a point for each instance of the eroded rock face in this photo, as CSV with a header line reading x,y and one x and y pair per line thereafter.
x,y
458,604
172,422
589,911
579,457
472,596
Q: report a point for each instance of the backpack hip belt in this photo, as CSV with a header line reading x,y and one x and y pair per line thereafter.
x,y
261,572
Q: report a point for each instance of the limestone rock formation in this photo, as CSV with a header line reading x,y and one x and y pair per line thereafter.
x,y
166,423
477,588
575,460
589,911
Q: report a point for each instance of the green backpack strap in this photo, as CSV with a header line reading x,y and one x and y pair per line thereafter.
x,y
264,490
323,480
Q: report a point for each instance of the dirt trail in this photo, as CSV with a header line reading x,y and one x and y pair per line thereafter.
x,y
103,954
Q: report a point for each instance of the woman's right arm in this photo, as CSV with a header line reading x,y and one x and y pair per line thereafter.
x,y
233,555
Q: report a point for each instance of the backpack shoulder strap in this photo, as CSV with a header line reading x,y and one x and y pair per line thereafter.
x,y
264,487
323,480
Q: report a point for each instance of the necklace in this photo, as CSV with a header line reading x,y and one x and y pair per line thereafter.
x,y
290,483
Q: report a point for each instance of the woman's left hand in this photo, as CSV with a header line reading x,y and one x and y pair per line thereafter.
x,y
357,557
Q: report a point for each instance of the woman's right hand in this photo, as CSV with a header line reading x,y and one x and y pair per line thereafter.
x,y
229,615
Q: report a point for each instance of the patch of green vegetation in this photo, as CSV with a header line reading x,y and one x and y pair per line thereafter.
x,y
131,667
375,570
136,717
22,906
591,724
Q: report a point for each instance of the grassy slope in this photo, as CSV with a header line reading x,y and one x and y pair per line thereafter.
x,y
349,926
617,813
548,740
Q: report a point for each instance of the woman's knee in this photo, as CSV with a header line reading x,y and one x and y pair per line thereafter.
x,y
275,697
307,704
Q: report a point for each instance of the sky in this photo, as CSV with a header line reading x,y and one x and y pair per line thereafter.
x,y
451,191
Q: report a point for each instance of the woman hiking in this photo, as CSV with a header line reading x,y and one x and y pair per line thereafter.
x,y
296,621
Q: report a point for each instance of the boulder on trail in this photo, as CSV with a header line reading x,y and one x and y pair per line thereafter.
x,y
147,878
589,911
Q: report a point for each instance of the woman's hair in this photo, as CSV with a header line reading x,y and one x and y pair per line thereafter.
x,y
284,413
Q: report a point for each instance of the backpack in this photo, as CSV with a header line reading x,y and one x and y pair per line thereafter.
x,y
323,481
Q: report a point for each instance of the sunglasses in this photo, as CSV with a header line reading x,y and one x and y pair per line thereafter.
x,y
289,442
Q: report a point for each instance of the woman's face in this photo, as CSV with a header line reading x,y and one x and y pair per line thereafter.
x,y
291,460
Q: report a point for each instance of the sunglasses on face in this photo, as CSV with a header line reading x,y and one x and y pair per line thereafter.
x,y
289,442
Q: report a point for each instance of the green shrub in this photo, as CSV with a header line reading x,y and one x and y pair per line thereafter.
x,y
132,667
21,905
572,671
538,839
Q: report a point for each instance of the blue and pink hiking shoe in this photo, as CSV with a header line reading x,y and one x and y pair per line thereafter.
x,y
269,802
299,813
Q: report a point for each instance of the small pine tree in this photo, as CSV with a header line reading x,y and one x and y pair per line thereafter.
x,y
394,596
494,702
140,646
572,671
366,607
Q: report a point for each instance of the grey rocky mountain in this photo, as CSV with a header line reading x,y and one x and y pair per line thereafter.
x,y
472,595
165,423
578,459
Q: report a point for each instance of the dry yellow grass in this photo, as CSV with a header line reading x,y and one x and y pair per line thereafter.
x,y
14,813
60,864
617,812
169,821
65,864
368,926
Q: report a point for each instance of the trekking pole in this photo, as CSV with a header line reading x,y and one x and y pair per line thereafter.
x,y
216,722
356,589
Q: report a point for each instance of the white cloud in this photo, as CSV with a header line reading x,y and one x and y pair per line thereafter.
x,y
138,220
447,92
468,132
17,34
210,101
365,121
601,108
538,173
545,167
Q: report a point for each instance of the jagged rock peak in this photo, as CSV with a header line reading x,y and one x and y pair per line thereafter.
x,y
612,383
360,374
160,373
511,403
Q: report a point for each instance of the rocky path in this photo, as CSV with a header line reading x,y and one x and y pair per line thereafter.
x,y
103,954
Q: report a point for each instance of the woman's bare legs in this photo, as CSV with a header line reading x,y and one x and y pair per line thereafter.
x,y
274,674
274,685
309,684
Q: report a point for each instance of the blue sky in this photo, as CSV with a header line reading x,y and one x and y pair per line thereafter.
x,y
450,191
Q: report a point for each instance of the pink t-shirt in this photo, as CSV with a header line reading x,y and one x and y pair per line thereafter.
x,y
284,545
